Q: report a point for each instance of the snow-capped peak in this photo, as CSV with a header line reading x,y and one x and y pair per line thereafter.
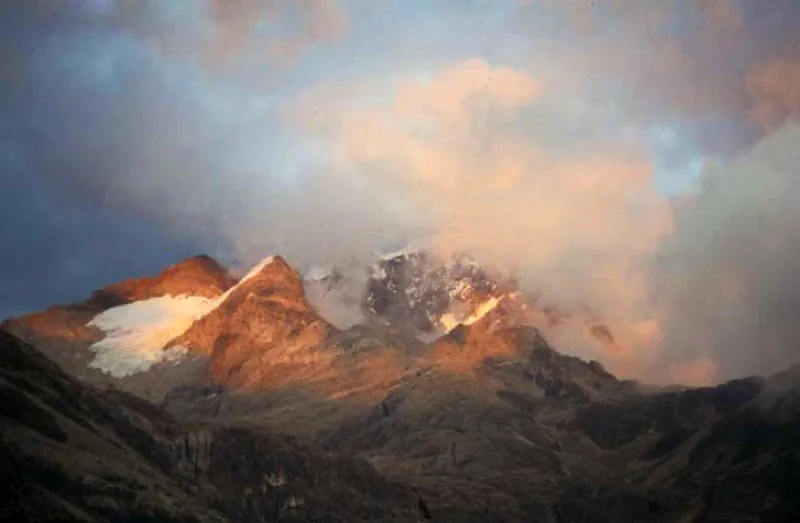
x,y
137,332
449,320
252,273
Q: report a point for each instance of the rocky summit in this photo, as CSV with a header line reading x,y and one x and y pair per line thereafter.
x,y
409,389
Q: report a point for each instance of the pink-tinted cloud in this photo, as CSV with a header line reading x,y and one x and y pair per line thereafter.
x,y
452,146
775,92
727,278
711,61
276,30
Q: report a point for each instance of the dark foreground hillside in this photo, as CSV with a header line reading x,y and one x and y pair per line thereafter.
x,y
69,452
276,414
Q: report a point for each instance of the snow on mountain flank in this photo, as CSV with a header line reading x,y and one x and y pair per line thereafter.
x,y
136,333
450,322
482,310
250,275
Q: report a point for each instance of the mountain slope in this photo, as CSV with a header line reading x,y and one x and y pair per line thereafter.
x,y
485,423
265,317
268,353
77,336
72,453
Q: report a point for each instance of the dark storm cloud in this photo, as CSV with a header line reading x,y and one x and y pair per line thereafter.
x,y
124,149
53,253
75,92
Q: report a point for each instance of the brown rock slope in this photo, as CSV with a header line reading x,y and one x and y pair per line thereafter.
x,y
464,430
263,331
501,426
269,352
488,423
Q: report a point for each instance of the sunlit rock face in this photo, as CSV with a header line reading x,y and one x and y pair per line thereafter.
x,y
412,291
423,295
196,325
200,276
265,320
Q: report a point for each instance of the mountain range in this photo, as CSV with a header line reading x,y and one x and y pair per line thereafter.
x,y
410,388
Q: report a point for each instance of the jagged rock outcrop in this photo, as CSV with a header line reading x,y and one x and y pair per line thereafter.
x,y
192,451
416,289
418,292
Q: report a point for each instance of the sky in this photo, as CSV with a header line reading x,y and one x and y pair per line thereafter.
x,y
638,158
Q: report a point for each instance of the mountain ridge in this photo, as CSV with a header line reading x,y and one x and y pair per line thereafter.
x,y
487,422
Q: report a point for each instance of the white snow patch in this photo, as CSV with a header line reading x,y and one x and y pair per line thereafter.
x,y
451,320
482,310
249,276
252,273
461,288
136,333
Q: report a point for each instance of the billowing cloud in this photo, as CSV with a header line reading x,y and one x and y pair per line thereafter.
x,y
546,136
713,68
728,277
469,147
279,30
775,91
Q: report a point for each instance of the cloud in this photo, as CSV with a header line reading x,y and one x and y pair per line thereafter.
x,y
279,30
531,136
326,217
117,139
496,163
775,92
469,147
55,254
229,36
689,64
727,279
